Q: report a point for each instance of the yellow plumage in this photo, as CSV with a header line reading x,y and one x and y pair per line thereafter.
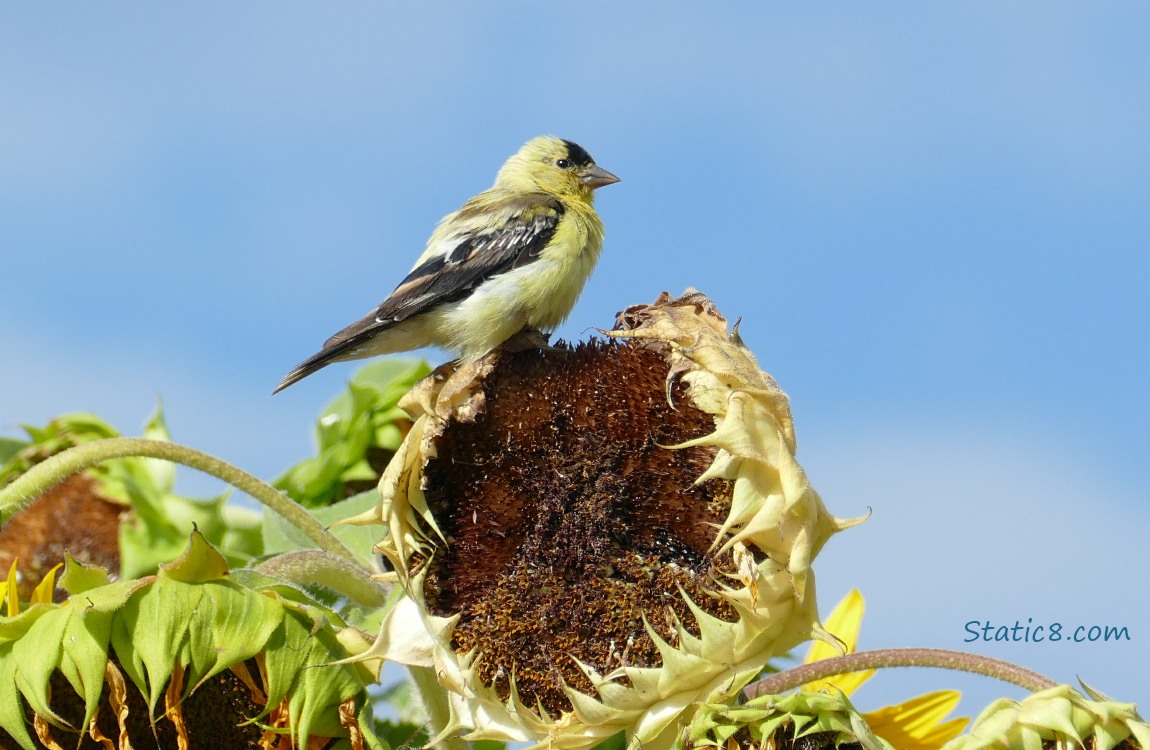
x,y
513,258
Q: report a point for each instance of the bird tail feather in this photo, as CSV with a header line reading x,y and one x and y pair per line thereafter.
x,y
330,353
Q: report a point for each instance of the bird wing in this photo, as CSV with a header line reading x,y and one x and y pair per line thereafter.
x,y
491,240
481,240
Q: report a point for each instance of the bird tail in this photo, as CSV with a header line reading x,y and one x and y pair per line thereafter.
x,y
332,351
313,363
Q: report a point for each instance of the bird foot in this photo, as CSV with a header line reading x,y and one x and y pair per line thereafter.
x,y
526,339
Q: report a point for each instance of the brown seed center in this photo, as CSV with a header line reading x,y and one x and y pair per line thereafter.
x,y
568,520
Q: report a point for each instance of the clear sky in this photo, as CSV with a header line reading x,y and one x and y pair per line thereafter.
x,y
932,218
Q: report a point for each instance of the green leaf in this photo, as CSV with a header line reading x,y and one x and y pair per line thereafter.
x,y
159,532
146,540
161,473
614,742
9,447
356,434
55,437
403,734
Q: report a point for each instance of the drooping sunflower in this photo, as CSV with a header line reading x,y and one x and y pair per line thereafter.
x,y
193,656
1060,717
596,538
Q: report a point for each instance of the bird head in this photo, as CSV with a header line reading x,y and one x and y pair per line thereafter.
x,y
554,166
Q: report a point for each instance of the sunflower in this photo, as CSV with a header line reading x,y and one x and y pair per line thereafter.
x,y
193,656
596,538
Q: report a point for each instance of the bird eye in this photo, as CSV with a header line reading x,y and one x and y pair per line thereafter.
x,y
563,163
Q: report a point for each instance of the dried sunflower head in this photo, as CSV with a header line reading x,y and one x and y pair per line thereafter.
x,y
596,538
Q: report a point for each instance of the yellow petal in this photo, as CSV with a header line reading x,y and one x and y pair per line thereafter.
x,y
43,591
844,623
13,593
918,724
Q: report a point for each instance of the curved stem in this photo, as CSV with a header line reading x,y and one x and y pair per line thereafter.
x,y
937,658
44,475
308,566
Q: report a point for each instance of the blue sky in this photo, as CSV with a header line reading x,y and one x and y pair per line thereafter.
x,y
930,216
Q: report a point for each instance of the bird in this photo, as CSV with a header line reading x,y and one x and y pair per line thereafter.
x,y
513,258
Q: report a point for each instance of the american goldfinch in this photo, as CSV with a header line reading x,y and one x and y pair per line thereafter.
x,y
513,258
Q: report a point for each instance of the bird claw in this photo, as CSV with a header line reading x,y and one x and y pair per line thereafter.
x,y
528,339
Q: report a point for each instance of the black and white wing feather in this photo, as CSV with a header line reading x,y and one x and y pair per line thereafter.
x,y
524,226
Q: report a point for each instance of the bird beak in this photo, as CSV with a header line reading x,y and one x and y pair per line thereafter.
x,y
597,177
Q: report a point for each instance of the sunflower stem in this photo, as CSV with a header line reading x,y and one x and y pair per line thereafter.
x,y
936,658
46,474
308,566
